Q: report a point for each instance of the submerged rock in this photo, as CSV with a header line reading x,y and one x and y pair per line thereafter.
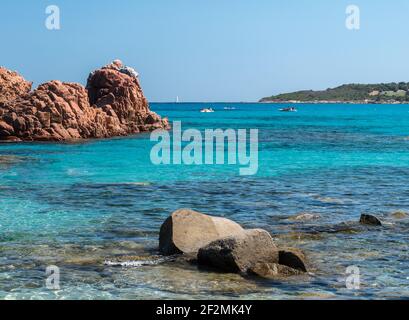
x,y
305,216
12,86
329,200
273,270
343,227
186,231
301,236
225,246
399,215
113,104
370,220
9,160
240,252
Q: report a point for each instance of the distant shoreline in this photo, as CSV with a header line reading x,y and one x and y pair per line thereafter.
x,y
289,102
335,102
381,93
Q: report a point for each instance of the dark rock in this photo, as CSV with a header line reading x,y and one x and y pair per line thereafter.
x,y
11,160
371,220
305,216
240,252
344,227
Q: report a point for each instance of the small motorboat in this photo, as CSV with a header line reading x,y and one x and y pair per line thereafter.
x,y
207,110
290,109
229,108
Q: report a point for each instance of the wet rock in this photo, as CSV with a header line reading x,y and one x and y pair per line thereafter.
x,y
316,295
305,217
9,139
399,215
113,104
186,231
302,236
273,270
240,252
293,258
370,220
344,227
83,260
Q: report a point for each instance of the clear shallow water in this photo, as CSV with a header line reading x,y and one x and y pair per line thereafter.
x,y
77,205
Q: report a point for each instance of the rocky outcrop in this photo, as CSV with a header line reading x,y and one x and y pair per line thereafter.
x,y
225,246
7,161
113,104
12,85
186,231
370,220
240,252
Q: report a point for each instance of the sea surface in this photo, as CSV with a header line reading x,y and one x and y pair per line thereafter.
x,y
84,206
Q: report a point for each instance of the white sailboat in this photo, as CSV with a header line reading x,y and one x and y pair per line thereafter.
x,y
177,99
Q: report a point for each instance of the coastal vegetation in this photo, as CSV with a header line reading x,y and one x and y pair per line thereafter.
x,y
354,93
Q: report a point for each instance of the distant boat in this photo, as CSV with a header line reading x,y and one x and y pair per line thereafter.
x,y
290,109
229,108
207,110
177,99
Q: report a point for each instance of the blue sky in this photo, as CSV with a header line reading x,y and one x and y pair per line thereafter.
x,y
210,50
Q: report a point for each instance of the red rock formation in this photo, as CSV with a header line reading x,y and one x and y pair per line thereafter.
x,y
112,105
12,85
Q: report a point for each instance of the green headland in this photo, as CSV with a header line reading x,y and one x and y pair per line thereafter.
x,y
349,93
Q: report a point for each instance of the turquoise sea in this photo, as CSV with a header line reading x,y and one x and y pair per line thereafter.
x,y
78,205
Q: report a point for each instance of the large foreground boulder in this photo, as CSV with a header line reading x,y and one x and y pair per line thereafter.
x,y
186,231
240,252
223,245
112,105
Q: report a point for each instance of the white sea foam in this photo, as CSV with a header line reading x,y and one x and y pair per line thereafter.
x,y
135,263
